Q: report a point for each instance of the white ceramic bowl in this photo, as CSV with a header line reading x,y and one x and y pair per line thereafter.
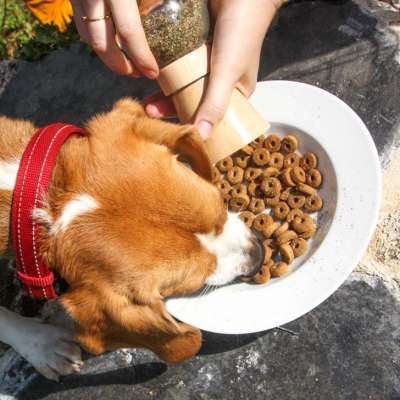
x,y
351,191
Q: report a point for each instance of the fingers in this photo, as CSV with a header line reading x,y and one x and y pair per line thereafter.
x,y
159,106
130,31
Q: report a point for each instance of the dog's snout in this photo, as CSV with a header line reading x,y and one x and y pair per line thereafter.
x,y
256,255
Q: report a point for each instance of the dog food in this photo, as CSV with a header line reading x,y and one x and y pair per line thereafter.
x,y
274,188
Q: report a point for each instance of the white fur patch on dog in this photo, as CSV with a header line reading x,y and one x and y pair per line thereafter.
x,y
231,249
80,205
8,174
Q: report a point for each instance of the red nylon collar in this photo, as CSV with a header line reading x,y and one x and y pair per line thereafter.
x,y
32,183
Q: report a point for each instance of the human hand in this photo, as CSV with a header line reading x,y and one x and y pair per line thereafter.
x,y
99,32
240,28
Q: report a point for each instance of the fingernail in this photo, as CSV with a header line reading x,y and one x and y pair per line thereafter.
x,y
151,74
205,128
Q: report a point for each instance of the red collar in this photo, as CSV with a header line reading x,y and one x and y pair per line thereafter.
x,y
32,183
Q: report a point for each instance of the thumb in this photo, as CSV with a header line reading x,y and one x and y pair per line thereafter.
x,y
214,105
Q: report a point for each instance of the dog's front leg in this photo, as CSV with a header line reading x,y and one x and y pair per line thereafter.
x,y
50,349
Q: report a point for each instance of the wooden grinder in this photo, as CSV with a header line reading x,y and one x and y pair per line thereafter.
x,y
185,77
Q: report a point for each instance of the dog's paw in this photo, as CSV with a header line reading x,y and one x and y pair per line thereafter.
x,y
50,349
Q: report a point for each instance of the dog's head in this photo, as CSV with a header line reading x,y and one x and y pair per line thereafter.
x,y
128,224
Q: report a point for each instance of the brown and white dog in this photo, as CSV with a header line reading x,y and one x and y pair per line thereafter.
x,y
126,225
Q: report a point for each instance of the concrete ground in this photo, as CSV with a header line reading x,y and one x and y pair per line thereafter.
x,y
349,346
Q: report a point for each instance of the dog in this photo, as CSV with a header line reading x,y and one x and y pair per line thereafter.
x,y
126,224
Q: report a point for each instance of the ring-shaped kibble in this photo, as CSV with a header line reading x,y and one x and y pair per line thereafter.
x,y
262,276
285,194
296,201
269,230
296,212
281,210
272,244
299,246
256,205
238,190
239,203
227,197
259,141
272,143
303,224
261,156
286,237
286,253
224,186
242,162
279,269
309,161
247,217
298,175
247,150
270,172
267,253
289,144
276,161
235,175
291,160
306,189
252,188
262,221
271,187
251,174
313,203
225,164
314,178
215,175
309,234
273,201
286,177
282,229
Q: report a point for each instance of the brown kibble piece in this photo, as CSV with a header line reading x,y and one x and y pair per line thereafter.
x,y
314,178
273,201
252,189
227,197
224,186
262,221
252,174
289,144
238,190
291,160
309,161
239,203
267,252
262,276
271,187
225,164
235,175
279,269
309,234
286,237
270,172
296,201
247,217
296,212
303,224
285,194
298,175
299,246
286,253
313,203
282,229
272,143
216,175
281,210
303,188
261,156
276,161
247,150
259,141
270,229
286,177
242,162
256,205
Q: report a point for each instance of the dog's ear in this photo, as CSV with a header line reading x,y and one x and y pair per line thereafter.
x,y
181,139
107,321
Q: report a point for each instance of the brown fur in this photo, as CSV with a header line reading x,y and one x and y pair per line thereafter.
x,y
139,246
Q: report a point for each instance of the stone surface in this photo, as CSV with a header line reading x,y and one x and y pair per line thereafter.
x,y
348,347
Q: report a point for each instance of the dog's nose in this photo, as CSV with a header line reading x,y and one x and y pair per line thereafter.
x,y
257,255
